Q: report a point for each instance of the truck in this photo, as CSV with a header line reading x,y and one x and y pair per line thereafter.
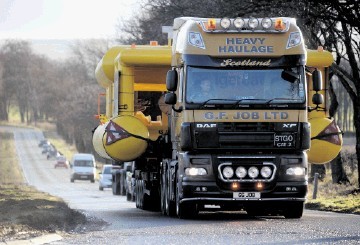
x,y
243,143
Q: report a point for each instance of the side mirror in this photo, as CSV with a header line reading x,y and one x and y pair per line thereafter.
x,y
171,80
317,80
289,76
170,98
317,99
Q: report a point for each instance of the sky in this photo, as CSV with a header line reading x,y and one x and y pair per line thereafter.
x,y
63,19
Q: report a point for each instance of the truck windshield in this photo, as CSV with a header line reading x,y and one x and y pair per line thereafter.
x,y
266,86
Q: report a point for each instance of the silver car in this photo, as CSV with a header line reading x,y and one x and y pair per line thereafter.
x,y
105,180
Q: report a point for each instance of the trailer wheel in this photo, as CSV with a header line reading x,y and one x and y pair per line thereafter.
x,y
122,189
116,185
162,192
294,210
128,195
137,194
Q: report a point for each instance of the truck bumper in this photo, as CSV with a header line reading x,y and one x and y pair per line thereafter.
x,y
210,193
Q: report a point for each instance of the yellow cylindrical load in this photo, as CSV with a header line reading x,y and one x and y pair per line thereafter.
x,y
125,138
326,140
97,141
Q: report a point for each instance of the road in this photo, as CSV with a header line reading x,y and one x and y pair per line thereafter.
x,y
128,225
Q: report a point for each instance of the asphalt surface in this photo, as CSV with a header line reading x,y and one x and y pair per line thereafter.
x,y
128,225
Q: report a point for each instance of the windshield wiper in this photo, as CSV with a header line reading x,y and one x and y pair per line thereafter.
x,y
288,99
205,103
238,103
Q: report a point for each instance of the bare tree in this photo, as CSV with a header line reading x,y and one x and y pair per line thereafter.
x,y
16,57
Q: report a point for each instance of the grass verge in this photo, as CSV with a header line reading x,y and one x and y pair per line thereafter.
x,y
334,197
26,212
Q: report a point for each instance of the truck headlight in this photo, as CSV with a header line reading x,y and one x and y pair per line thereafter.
x,y
239,23
253,23
228,172
195,171
295,171
225,23
266,172
266,23
241,172
253,172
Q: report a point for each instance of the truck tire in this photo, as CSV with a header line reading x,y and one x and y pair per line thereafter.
x,y
169,204
143,200
162,192
128,196
294,210
122,180
116,185
187,210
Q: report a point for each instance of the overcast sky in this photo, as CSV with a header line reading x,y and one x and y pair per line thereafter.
x,y
62,19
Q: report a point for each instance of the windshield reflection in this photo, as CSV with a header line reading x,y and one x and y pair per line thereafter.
x,y
242,86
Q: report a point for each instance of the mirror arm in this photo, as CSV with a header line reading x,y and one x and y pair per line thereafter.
x,y
180,109
317,108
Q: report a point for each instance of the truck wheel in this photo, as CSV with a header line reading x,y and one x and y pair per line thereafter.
x,y
122,189
169,204
128,196
162,193
137,194
185,210
115,186
294,210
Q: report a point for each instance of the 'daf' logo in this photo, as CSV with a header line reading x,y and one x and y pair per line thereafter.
x,y
206,125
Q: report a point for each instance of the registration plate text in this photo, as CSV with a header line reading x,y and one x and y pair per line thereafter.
x,y
246,195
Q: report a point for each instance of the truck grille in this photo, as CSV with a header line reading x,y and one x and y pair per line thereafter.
x,y
230,135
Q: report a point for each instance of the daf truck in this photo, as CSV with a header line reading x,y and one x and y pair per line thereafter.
x,y
242,141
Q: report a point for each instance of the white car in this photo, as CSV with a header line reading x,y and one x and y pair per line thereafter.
x,y
105,180
83,167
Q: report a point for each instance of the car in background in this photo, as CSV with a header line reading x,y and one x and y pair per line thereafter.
x,y
83,167
105,180
43,142
61,162
46,148
53,153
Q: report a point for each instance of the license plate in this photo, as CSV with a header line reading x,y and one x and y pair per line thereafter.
x,y
284,141
83,176
246,195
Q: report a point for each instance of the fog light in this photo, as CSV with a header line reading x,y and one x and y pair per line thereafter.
x,y
195,171
239,23
266,23
253,172
266,172
259,185
228,172
225,23
240,172
295,171
253,23
235,186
